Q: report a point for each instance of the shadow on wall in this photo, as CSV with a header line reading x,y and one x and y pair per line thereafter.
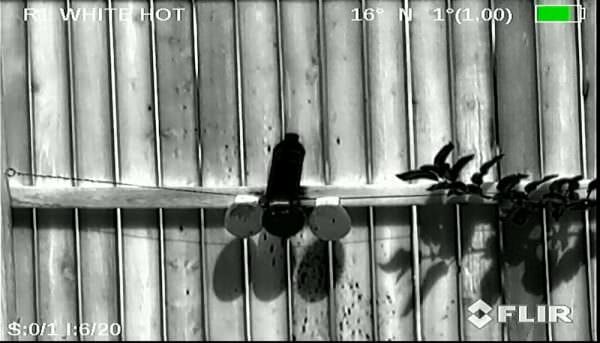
x,y
523,245
437,244
267,270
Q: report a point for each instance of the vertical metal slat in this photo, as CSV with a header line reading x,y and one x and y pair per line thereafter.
x,y
414,228
369,171
36,271
457,207
584,170
117,169
283,129
159,175
74,166
202,226
499,223
325,160
242,162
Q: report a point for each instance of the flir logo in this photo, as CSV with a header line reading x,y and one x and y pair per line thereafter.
x,y
544,314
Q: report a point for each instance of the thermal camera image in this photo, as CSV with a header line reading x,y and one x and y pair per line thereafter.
x,y
298,170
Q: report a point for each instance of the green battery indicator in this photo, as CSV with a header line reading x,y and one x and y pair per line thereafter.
x,y
559,13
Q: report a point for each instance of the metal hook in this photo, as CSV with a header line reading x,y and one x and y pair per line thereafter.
x,y
10,172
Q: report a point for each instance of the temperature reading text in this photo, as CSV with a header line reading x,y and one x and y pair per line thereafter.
x,y
368,14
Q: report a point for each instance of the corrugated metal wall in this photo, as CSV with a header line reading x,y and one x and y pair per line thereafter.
x,y
203,100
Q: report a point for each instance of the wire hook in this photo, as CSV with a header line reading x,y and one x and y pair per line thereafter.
x,y
10,172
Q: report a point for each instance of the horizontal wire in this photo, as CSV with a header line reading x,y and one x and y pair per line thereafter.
x,y
10,172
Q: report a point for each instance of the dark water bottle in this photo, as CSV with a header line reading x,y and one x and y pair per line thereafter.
x,y
286,169
283,216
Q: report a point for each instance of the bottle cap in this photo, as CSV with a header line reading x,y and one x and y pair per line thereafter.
x,y
293,137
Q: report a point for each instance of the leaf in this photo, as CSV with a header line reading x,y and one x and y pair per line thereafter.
x,y
417,174
573,183
475,189
516,195
440,185
557,185
442,155
592,186
477,179
510,181
457,188
445,171
460,165
431,168
532,186
485,168
573,196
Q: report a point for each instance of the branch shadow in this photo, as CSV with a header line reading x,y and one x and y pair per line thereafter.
x,y
268,278
523,246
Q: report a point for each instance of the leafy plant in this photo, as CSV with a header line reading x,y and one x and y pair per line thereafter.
x,y
516,204
447,176
437,171
485,168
